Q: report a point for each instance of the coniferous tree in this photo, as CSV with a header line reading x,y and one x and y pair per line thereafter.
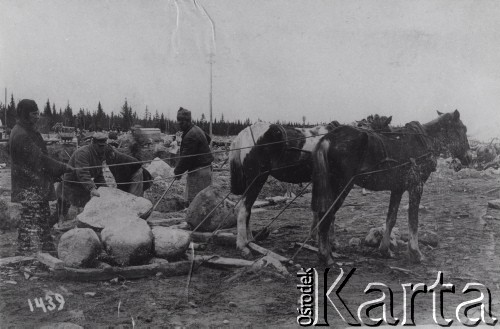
x,y
126,113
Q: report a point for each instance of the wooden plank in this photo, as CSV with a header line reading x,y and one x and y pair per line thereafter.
x,y
222,262
306,246
129,272
267,252
165,221
50,260
15,260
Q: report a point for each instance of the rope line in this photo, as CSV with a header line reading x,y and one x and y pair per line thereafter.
x,y
143,181
198,154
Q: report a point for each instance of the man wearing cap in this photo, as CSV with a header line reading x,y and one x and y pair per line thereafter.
x,y
195,156
128,172
79,186
33,174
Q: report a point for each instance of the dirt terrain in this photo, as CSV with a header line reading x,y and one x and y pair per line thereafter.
x,y
454,205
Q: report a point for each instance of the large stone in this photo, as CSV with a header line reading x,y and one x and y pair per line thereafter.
x,y
79,247
429,238
158,168
112,205
495,204
10,215
170,243
204,202
129,242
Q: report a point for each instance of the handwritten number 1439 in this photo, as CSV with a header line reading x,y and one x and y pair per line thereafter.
x,y
51,306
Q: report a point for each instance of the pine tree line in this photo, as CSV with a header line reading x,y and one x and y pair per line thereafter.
x,y
98,120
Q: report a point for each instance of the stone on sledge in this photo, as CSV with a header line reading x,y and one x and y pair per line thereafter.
x,y
79,247
128,242
170,243
203,203
111,207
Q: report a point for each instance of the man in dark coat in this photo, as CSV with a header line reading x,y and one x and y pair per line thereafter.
x,y
33,174
195,156
79,186
128,172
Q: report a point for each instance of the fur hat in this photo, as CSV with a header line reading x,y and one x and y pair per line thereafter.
x,y
183,114
25,107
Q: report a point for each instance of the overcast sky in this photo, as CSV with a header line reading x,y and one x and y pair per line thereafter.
x,y
272,59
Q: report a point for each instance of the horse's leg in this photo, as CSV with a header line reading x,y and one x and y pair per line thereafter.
x,y
245,209
414,194
390,222
324,247
313,233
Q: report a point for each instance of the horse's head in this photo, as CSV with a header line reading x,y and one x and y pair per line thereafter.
x,y
452,136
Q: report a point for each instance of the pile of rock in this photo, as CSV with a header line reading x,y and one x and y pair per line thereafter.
x,y
111,229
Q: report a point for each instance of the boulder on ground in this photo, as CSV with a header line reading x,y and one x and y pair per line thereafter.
x,y
79,247
10,214
429,238
111,207
129,241
375,235
170,243
202,204
159,168
495,204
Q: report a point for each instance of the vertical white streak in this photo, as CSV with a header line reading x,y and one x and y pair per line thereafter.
x,y
212,25
175,34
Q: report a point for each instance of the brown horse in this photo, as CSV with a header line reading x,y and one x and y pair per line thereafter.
x,y
397,161
264,150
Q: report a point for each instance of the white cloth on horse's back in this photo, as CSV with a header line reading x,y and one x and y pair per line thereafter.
x,y
112,205
159,168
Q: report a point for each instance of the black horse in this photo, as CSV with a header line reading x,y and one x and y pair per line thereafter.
x,y
265,149
397,161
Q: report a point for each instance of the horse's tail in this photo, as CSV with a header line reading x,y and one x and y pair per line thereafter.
x,y
238,179
322,194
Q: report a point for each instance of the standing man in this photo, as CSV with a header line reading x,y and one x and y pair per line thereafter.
x,y
33,174
79,186
195,156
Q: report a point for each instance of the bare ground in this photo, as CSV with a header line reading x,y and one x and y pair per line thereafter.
x,y
455,208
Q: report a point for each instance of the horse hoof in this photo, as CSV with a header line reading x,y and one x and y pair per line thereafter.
x,y
416,257
246,253
386,252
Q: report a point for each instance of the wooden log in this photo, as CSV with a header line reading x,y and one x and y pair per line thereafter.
x,y
15,260
260,204
50,261
221,238
222,262
267,252
129,272
165,221
306,246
